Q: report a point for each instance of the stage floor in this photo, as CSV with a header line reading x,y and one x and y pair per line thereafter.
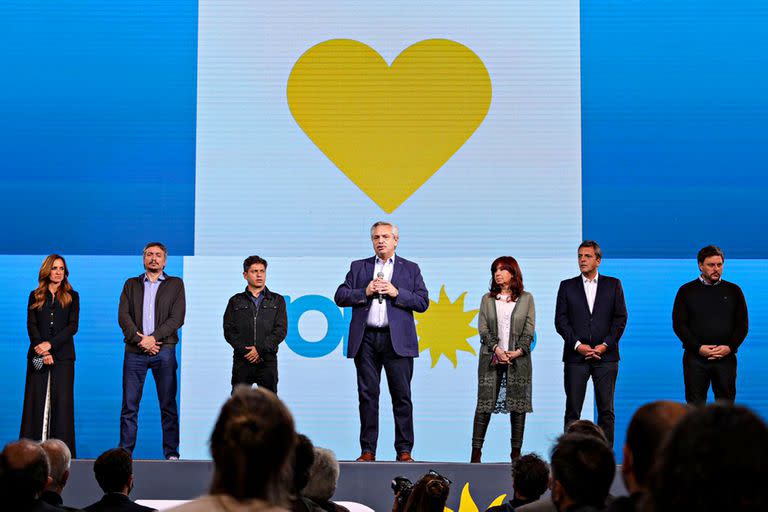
x,y
367,483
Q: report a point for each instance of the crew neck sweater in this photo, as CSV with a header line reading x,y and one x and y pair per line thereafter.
x,y
710,315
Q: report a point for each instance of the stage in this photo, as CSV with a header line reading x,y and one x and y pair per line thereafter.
x,y
365,483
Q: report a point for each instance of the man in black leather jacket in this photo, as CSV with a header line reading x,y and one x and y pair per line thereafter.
x,y
255,323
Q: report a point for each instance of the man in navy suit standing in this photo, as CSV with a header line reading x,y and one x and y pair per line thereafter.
x,y
590,316
383,292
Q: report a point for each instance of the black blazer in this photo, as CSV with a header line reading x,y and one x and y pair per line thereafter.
x,y
65,322
170,308
116,502
605,324
264,329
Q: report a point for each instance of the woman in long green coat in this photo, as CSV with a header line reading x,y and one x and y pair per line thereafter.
x,y
506,324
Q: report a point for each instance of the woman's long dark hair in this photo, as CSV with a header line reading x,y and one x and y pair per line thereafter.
x,y
63,294
509,264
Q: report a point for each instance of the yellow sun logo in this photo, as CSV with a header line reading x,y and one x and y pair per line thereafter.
x,y
444,328
467,503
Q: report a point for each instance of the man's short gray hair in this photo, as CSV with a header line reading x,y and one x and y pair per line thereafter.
x,y
59,458
323,476
395,230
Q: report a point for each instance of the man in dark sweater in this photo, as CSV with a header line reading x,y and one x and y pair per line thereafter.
x,y
710,318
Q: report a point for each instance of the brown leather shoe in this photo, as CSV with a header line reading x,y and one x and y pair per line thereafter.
x,y
366,457
405,457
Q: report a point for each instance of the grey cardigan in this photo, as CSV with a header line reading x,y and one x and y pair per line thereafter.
x,y
519,372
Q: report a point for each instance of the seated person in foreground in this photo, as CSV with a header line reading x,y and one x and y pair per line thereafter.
x,y
252,448
23,475
714,459
582,472
59,459
584,427
323,477
530,479
114,473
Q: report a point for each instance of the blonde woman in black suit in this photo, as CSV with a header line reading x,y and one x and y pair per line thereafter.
x,y
53,313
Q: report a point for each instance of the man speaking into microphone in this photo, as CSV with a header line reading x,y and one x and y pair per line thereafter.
x,y
383,292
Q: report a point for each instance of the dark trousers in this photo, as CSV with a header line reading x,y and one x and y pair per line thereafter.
x,y
575,377
376,352
61,420
483,419
263,374
699,372
163,366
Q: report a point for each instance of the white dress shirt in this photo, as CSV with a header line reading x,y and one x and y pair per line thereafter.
x,y
504,311
377,314
590,290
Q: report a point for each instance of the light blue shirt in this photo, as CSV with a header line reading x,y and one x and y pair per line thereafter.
x,y
148,311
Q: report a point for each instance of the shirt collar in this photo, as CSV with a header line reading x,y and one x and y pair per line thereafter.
x,y
145,277
594,280
379,260
261,295
707,283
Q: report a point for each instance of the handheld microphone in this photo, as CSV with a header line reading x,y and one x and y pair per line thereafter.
x,y
380,275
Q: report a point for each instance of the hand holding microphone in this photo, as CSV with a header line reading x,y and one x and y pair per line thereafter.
x,y
384,289
380,276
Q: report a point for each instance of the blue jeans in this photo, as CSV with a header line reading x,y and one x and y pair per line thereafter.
x,y
163,366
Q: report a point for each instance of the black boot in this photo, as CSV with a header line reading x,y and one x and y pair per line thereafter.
x,y
477,454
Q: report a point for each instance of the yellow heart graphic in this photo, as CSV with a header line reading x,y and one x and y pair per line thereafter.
x,y
389,128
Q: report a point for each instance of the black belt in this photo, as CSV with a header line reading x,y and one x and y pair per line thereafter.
x,y
377,329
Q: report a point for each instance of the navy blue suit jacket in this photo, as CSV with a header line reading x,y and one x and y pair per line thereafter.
x,y
412,295
605,324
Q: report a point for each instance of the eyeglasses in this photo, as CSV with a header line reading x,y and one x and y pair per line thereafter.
x,y
434,473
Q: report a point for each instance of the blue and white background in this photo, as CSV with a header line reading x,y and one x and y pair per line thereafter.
x,y
638,124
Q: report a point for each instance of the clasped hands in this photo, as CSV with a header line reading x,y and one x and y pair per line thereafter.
x,y
591,353
506,356
382,287
713,352
149,344
252,356
44,349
